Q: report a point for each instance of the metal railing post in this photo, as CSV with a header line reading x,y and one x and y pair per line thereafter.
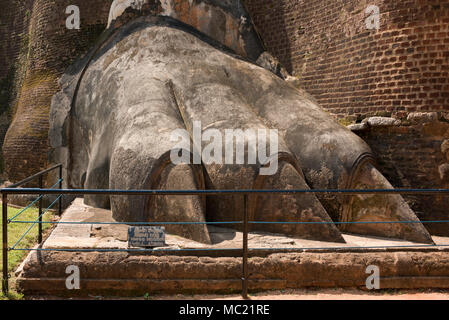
x,y
245,248
5,243
39,239
60,187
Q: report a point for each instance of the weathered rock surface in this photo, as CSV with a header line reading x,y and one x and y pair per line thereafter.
x,y
382,122
154,75
358,126
124,141
122,274
225,21
422,117
382,208
267,61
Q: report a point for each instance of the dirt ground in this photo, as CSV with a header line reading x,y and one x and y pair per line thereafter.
x,y
300,294
327,294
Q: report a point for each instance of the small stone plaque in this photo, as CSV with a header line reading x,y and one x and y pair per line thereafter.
x,y
146,236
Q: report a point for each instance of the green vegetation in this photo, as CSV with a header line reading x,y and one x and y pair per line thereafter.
x,y
345,121
15,231
382,114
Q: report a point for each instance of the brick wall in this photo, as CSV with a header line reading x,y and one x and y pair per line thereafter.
x,y
14,23
414,154
355,72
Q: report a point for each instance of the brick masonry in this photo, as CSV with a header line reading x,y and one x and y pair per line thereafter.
x,y
354,72
50,48
14,24
414,154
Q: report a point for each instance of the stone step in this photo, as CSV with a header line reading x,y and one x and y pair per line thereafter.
x,y
129,275
138,287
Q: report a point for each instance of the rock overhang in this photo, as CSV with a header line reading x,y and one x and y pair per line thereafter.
x,y
226,21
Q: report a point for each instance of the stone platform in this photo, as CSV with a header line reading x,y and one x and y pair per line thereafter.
x,y
216,269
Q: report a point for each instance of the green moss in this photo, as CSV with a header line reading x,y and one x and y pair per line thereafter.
x,y
39,79
25,47
382,114
38,111
19,71
345,121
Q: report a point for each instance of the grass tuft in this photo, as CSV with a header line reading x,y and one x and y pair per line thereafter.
x,y
15,231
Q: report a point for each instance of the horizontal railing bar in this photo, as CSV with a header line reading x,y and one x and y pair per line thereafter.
x,y
226,222
126,250
351,248
231,249
18,184
218,192
343,222
129,223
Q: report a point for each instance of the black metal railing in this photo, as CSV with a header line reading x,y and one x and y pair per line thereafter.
x,y
245,220
6,221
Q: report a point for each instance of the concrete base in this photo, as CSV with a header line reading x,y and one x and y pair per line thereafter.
x,y
300,263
